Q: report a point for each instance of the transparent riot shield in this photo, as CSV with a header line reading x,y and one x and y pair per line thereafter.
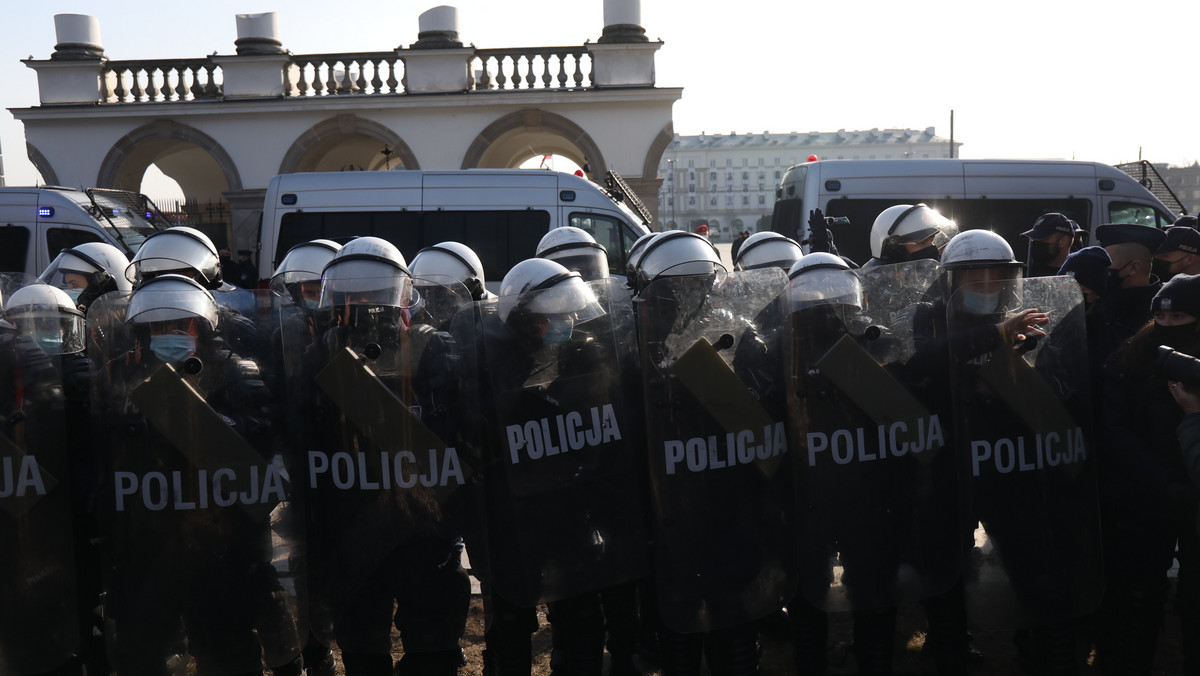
x,y
565,479
39,627
1023,428
201,533
720,466
387,473
876,484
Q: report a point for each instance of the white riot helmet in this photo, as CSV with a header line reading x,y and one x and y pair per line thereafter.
x,y
367,271
823,279
576,250
179,250
302,263
450,261
87,271
541,299
635,255
676,254
48,316
978,249
907,223
767,250
171,298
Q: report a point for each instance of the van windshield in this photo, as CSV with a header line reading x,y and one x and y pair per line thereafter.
x,y
131,217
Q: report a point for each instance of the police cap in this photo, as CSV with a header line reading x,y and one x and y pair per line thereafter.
x,y
1128,233
1089,266
1181,294
1180,238
1049,224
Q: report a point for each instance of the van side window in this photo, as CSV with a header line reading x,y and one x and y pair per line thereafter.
x,y
58,239
14,247
500,238
1006,217
1141,214
613,234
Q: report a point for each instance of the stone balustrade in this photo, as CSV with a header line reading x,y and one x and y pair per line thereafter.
x,y
347,74
159,81
532,68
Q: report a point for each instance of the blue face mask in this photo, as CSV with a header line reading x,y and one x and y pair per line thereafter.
x,y
74,294
311,304
173,348
558,331
51,344
979,303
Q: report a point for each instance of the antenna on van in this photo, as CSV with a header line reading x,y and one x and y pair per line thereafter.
x,y
620,191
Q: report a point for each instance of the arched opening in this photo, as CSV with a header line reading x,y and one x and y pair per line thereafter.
x,y
183,170
551,162
348,143
513,139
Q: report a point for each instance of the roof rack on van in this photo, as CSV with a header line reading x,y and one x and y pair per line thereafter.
x,y
1144,172
620,191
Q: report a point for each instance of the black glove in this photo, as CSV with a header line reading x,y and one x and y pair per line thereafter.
x,y
819,238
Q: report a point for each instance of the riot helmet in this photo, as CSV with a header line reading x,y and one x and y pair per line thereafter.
x,y
47,315
173,316
907,231
767,249
299,273
449,261
677,254
635,255
179,250
982,271
369,289
542,301
87,271
576,250
823,279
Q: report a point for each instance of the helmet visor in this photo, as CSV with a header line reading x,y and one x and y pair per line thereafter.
x,y
825,286
590,263
565,295
168,303
367,282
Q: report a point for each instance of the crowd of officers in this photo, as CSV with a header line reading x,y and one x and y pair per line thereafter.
x,y
247,478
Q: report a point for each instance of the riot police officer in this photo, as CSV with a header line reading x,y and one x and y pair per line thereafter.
x,y
47,488
396,541
180,410
767,249
688,313
187,251
907,232
441,265
87,271
297,284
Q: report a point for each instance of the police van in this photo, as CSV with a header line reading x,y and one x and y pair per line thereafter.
x,y
37,223
501,214
1005,196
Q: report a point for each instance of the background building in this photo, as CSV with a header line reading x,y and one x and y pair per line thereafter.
x,y
1185,183
727,181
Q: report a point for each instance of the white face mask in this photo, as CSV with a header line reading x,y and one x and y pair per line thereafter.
x,y
979,303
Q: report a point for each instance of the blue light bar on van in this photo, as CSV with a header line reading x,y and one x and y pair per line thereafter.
x,y
149,215
566,195
833,185
287,199
45,212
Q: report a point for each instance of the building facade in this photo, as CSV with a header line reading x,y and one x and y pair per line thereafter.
x,y
1185,183
728,181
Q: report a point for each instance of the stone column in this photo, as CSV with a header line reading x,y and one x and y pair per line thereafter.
x,y
257,70
437,61
72,74
623,21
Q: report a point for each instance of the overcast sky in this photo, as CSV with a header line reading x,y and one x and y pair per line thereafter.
x,y
1091,80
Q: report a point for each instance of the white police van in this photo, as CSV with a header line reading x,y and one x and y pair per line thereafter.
x,y
501,214
1005,196
36,223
